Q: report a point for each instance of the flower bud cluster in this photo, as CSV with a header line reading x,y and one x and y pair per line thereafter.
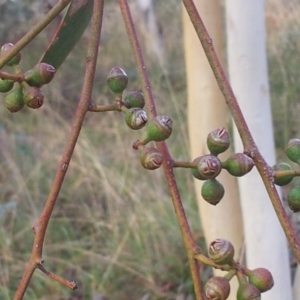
x,y
24,95
283,174
28,90
208,167
158,128
251,282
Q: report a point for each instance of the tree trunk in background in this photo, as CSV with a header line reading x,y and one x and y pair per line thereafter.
x,y
146,19
207,111
265,242
296,286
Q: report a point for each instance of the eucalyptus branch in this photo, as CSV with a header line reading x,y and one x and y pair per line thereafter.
x,y
41,224
34,31
189,242
250,147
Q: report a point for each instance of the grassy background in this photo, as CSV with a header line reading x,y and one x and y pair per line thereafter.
x,y
113,229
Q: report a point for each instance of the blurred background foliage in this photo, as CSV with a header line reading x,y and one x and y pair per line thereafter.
x,y
114,229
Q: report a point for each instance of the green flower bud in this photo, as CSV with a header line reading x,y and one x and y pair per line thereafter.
x,y
247,291
135,118
282,179
218,141
292,150
238,164
221,252
212,191
157,129
151,158
16,59
261,278
293,199
14,100
134,99
208,167
41,74
33,97
117,80
217,288
6,85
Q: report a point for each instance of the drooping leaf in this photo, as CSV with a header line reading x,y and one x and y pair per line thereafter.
x,y
69,32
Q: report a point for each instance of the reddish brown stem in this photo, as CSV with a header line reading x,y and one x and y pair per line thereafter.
x,y
41,224
250,147
189,242
69,284
14,77
184,164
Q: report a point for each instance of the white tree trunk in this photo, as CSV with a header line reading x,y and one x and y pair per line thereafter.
x,y
266,245
146,19
296,285
207,111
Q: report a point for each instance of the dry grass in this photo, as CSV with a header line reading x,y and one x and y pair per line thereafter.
x,y
282,19
114,228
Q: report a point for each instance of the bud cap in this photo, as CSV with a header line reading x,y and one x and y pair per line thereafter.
x,y
16,59
158,129
41,74
217,288
117,80
262,279
151,158
135,118
239,164
221,252
33,97
218,141
134,99
208,167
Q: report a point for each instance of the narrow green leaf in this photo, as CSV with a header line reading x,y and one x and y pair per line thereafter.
x,y
69,32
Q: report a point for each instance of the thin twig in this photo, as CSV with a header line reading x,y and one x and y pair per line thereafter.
x,y
69,284
189,242
33,32
40,226
184,164
102,108
15,77
285,173
250,148
208,262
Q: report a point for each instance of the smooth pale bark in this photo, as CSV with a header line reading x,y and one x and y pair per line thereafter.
x,y
265,242
296,285
147,25
207,111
